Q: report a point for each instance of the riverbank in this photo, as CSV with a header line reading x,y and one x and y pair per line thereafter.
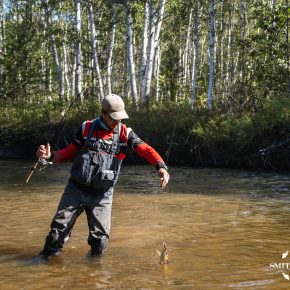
x,y
227,143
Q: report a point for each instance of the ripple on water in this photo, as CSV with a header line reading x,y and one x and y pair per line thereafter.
x,y
223,228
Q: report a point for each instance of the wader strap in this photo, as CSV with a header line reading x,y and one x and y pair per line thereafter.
x,y
92,129
115,142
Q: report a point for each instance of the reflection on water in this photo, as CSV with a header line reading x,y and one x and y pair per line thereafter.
x,y
223,228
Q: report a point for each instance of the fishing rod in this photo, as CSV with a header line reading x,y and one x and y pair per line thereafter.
x,y
44,162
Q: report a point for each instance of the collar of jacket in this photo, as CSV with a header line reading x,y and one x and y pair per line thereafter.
x,y
101,124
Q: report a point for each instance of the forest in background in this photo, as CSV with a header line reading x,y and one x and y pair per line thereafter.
x,y
205,82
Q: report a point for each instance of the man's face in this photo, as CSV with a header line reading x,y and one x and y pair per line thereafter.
x,y
109,121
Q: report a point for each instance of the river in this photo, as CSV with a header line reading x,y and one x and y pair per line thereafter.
x,y
225,229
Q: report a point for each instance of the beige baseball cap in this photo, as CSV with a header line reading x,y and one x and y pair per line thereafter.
x,y
114,106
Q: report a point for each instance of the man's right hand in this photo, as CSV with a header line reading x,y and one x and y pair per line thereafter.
x,y
43,151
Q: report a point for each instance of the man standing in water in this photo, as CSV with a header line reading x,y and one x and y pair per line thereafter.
x,y
97,153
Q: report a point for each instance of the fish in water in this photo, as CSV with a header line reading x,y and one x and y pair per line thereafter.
x,y
164,255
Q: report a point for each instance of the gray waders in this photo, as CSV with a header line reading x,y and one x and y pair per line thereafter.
x,y
90,188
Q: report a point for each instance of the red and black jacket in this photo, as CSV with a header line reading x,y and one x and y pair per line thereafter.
x,y
126,136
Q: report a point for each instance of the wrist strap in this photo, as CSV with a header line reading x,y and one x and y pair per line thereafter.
x,y
161,165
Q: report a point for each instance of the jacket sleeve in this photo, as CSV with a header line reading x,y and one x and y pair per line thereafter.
x,y
145,151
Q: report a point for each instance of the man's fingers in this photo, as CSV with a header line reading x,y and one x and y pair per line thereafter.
x,y
164,180
42,151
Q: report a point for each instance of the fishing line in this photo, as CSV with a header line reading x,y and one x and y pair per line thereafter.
x,y
172,136
265,153
43,162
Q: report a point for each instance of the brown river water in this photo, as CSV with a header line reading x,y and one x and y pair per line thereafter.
x,y
225,229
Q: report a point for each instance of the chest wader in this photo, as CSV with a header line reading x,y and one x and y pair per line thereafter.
x,y
95,166
96,170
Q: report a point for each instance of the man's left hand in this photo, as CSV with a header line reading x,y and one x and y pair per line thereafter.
x,y
164,177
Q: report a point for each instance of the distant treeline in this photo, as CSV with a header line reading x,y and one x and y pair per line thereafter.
x,y
220,68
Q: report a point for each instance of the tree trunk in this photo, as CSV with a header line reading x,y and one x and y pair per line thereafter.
x,y
195,56
96,67
151,48
157,35
78,51
130,49
186,50
220,84
158,61
242,38
211,56
56,61
150,56
144,40
111,47
229,45
65,62
273,3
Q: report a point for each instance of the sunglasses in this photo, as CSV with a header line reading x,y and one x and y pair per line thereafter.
x,y
111,119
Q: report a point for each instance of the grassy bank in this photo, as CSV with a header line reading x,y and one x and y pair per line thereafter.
x,y
224,137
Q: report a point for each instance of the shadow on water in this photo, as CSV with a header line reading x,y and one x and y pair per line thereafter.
x,y
224,228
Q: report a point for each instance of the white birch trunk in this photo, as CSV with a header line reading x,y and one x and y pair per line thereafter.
x,y
146,81
158,61
221,53
46,69
144,40
65,62
111,47
186,50
78,51
56,61
242,37
195,56
73,76
211,56
151,48
158,29
49,83
96,67
273,3
43,68
131,53
229,44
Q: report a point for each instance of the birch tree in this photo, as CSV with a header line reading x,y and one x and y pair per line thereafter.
x,y
96,67
53,46
144,39
111,48
130,49
211,55
229,44
240,59
195,55
65,61
146,81
78,51
153,43
219,52
186,50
